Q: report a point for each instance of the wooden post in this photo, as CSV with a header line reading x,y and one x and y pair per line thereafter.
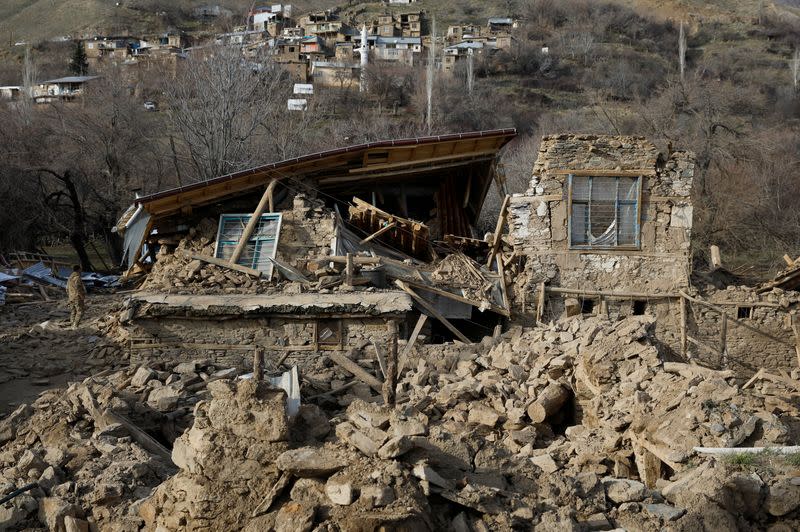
x,y
716,258
348,270
540,303
723,340
411,341
266,200
503,288
390,382
258,364
796,331
684,352
498,231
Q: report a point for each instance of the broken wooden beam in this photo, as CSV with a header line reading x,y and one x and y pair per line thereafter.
x,y
457,297
266,200
411,341
548,402
435,313
356,370
379,232
225,264
498,231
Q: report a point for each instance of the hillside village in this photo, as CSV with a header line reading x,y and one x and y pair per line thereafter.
x,y
317,48
356,269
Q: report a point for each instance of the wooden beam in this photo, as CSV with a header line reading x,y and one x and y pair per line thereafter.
x,y
390,380
753,379
349,270
457,297
498,231
604,173
540,302
427,306
716,257
356,370
609,294
225,264
732,319
796,331
379,232
255,218
789,261
411,341
421,162
684,352
503,288
723,339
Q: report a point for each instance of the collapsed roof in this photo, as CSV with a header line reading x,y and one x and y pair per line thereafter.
x,y
445,176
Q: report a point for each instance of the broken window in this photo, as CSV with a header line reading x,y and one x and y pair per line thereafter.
x,y
329,332
744,313
261,246
604,211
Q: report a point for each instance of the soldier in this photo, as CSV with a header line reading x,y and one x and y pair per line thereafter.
x,y
76,294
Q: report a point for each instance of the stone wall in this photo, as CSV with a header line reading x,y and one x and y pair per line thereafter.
x,y
539,227
276,334
746,350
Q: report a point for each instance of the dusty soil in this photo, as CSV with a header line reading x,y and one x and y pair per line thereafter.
x,y
39,350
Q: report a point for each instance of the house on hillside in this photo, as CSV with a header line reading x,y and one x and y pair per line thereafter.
x,y
61,89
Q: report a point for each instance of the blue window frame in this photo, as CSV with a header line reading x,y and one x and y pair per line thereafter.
x,y
604,212
260,248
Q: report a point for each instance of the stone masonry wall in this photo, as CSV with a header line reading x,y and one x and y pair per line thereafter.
x,y
538,218
266,332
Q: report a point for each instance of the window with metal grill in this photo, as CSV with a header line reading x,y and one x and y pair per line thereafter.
x,y
604,212
261,246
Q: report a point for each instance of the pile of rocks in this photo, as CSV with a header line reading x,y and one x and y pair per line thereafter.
x,y
97,447
576,426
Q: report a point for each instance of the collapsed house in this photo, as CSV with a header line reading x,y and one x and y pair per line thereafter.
x,y
360,242
605,228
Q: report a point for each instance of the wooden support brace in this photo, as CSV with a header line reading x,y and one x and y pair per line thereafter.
x,y
266,200
498,231
411,341
225,264
359,372
379,232
427,306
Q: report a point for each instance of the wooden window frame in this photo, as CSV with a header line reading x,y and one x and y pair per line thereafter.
x,y
637,221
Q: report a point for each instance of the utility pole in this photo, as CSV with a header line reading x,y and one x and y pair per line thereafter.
x,y
470,71
429,77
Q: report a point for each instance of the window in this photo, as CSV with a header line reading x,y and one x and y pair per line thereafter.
x,y
604,212
638,308
329,333
587,306
744,313
260,247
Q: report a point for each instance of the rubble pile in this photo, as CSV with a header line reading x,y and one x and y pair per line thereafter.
x,y
578,425
97,447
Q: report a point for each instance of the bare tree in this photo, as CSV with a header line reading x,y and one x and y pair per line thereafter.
x,y
220,105
794,65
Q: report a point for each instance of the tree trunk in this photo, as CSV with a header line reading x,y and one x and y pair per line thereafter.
x,y
549,401
77,236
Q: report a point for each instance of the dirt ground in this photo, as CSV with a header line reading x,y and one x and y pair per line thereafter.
x,y
39,351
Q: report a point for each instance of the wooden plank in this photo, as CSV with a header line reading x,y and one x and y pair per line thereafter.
x,y
723,339
255,218
379,357
753,379
379,232
684,352
456,297
609,294
230,265
427,306
348,270
540,302
411,341
789,261
421,162
356,370
503,287
258,364
604,173
498,231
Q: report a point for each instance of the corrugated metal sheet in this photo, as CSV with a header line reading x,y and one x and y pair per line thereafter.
x,y
40,272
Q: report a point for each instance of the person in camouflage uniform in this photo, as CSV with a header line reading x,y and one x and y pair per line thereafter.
x,y
76,294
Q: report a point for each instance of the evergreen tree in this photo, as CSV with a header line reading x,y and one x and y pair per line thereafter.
x,y
79,65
